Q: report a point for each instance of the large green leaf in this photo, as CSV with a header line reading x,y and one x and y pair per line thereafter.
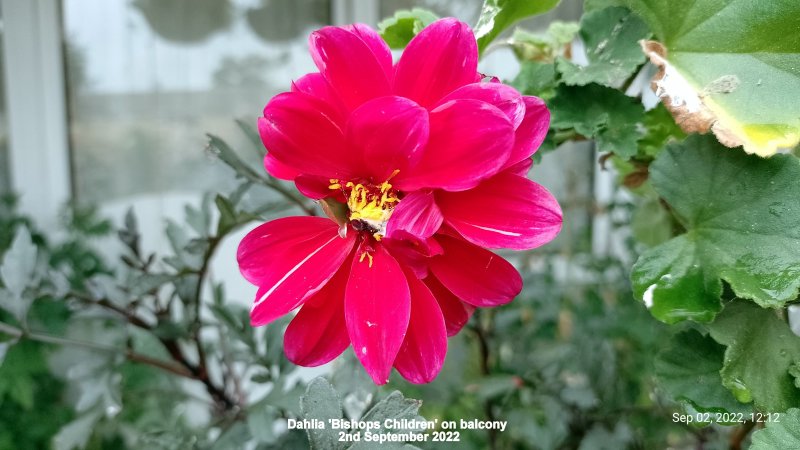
x,y
688,369
761,351
536,78
497,15
601,113
611,38
741,215
399,29
733,65
779,434
394,407
321,403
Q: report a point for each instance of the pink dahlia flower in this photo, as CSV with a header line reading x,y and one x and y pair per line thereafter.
x,y
420,166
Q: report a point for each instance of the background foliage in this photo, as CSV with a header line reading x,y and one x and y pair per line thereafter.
x,y
147,351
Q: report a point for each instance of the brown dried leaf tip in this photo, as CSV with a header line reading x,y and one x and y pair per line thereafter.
x,y
688,106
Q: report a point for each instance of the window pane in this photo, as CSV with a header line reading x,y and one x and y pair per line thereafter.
x,y
148,78
467,10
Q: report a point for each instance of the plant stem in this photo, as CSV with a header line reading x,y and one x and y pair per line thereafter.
x,y
483,346
276,186
739,434
188,369
129,354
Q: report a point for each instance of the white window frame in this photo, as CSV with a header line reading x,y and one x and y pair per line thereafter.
x,y
33,65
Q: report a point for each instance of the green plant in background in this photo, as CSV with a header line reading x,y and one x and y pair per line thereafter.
x,y
141,350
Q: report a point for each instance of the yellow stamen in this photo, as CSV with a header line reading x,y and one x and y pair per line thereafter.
x,y
365,255
371,204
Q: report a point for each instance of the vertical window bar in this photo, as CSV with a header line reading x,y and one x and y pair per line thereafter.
x,y
34,84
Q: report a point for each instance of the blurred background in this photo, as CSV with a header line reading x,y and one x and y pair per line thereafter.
x,y
108,102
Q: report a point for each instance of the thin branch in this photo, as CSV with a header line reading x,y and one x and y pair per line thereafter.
x,y
199,373
129,316
740,433
213,242
483,346
129,354
276,186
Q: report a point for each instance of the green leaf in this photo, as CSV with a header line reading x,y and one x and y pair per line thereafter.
x,y
651,224
224,151
611,37
600,113
399,29
734,64
129,234
779,434
496,385
688,369
321,402
76,433
200,219
260,419
19,262
536,78
600,438
290,439
497,15
237,436
18,271
741,216
24,364
761,350
661,129
229,217
4,346
394,407
544,47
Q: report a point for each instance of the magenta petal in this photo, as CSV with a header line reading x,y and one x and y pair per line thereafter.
x,y
416,214
300,131
315,85
290,259
505,211
440,59
501,96
470,140
377,310
456,313
521,168
390,134
424,349
411,252
318,333
278,169
475,275
532,131
349,65
313,187
375,43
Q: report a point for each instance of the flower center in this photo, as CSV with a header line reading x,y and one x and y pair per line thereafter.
x,y
370,205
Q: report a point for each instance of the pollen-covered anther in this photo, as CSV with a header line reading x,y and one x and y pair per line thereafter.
x,y
366,255
369,205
